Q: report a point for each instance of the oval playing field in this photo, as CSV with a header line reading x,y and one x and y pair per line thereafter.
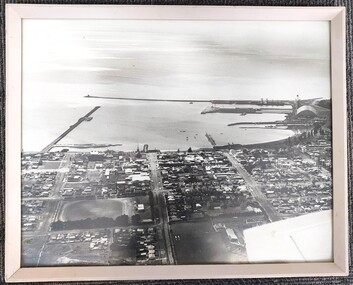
x,y
78,210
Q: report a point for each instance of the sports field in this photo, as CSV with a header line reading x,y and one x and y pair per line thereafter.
x,y
78,210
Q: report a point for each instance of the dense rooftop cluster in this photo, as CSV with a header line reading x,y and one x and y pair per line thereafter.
x,y
292,181
200,183
110,175
38,184
319,150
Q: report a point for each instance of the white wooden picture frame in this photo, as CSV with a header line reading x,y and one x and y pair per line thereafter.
x,y
16,13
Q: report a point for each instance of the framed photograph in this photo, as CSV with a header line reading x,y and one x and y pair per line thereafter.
x,y
175,142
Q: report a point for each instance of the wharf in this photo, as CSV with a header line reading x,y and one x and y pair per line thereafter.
x,y
244,111
277,123
252,123
222,101
210,109
210,139
88,145
70,129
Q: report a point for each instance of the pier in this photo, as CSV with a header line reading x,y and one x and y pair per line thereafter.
x,y
253,123
212,101
210,109
244,111
150,99
210,139
88,145
70,129
277,123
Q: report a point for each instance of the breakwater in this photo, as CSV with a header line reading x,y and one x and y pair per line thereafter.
x,y
70,129
231,102
210,139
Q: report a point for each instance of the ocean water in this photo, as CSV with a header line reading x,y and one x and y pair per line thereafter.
x,y
161,125
168,126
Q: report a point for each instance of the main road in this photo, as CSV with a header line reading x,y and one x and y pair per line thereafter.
x,y
255,189
161,203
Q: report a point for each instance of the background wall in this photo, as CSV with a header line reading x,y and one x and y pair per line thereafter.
x,y
347,3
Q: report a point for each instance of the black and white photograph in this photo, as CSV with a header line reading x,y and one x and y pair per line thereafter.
x,y
174,142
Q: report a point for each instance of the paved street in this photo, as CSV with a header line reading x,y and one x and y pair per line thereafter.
x,y
160,201
255,189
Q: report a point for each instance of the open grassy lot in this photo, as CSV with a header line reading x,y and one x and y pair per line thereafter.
x,y
73,254
198,243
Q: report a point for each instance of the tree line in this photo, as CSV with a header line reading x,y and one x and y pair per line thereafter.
x,y
101,222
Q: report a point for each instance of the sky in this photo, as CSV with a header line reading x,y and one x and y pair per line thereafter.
x,y
178,59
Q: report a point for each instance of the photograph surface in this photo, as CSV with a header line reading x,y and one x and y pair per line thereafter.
x,y
150,142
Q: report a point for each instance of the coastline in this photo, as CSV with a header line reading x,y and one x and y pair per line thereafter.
x,y
276,143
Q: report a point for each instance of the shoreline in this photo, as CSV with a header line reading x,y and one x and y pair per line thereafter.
x,y
274,143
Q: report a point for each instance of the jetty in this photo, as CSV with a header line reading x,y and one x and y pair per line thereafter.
x,y
88,145
277,123
244,111
261,102
253,123
150,99
70,129
210,139
209,109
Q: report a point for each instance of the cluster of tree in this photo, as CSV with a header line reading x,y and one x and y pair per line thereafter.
x,y
102,222
307,136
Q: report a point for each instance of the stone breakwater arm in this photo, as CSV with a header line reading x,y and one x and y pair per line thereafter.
x,y
220,101
71,128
